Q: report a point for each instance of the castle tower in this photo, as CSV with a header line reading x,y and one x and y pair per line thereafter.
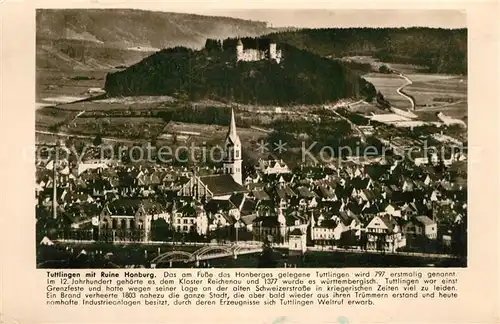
x,y
239,50
232,152
272,51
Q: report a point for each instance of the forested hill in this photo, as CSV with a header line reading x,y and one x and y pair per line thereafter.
x,y
440,50
212,73
103,38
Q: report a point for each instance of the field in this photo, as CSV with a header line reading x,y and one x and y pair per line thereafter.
x,y
448,95
54,84
432,93
387,84
58,95
133,117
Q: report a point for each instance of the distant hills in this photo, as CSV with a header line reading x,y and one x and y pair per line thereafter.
x,y
440,50
301,78
106,38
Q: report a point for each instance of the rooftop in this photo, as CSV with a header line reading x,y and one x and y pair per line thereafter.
x,y
222,184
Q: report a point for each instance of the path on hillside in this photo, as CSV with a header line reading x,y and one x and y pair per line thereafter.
x,y
400,89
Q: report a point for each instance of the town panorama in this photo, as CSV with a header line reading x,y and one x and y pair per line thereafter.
x,y
249,146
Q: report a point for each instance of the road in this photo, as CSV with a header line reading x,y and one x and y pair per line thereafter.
x,y
401,93
78,115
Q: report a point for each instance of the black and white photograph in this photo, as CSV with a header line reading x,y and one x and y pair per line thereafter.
x,y
250,138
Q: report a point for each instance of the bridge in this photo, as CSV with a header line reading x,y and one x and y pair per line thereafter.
x,y
205,253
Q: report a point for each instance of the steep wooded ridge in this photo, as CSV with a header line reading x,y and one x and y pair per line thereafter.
x,y
104,38
440,50
212,73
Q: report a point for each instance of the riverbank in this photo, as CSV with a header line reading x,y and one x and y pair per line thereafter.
x,y
283,258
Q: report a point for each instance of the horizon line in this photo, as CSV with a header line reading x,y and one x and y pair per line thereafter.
x,y
304,18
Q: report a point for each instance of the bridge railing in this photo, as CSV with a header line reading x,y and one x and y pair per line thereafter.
x,y
241,243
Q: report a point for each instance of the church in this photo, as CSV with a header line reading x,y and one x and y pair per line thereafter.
x,y
220,186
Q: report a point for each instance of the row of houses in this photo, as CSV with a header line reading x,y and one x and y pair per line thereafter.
x,y
377,204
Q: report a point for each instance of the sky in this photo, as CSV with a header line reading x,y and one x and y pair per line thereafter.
x,y
349,18
440,16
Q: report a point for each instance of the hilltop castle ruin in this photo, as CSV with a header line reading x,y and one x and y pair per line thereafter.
x,y
251,54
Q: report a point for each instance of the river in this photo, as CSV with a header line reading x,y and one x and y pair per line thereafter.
x,y
281,259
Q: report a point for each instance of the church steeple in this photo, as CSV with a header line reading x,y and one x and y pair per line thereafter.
x,y
232,135
232,152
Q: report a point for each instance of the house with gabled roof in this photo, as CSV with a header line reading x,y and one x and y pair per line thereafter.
x,y
426,227
273,166
221,186
307,198
221,213
188,215
391,209
260,195
129,219
367,195
297,240
284,196
248,213
326,193
384,234
322,229
252,179
408,185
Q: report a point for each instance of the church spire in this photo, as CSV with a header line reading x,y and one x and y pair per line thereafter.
x,y
232,163
232,135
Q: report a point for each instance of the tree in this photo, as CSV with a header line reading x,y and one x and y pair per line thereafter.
x,y
384,69
193,235
382,101
153,141
160,230
459,237
267,259
213,45
97,140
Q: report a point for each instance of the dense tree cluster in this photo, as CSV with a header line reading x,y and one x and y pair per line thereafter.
x,y
302,78
199,115
440,50
213,45
353,117
334,137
